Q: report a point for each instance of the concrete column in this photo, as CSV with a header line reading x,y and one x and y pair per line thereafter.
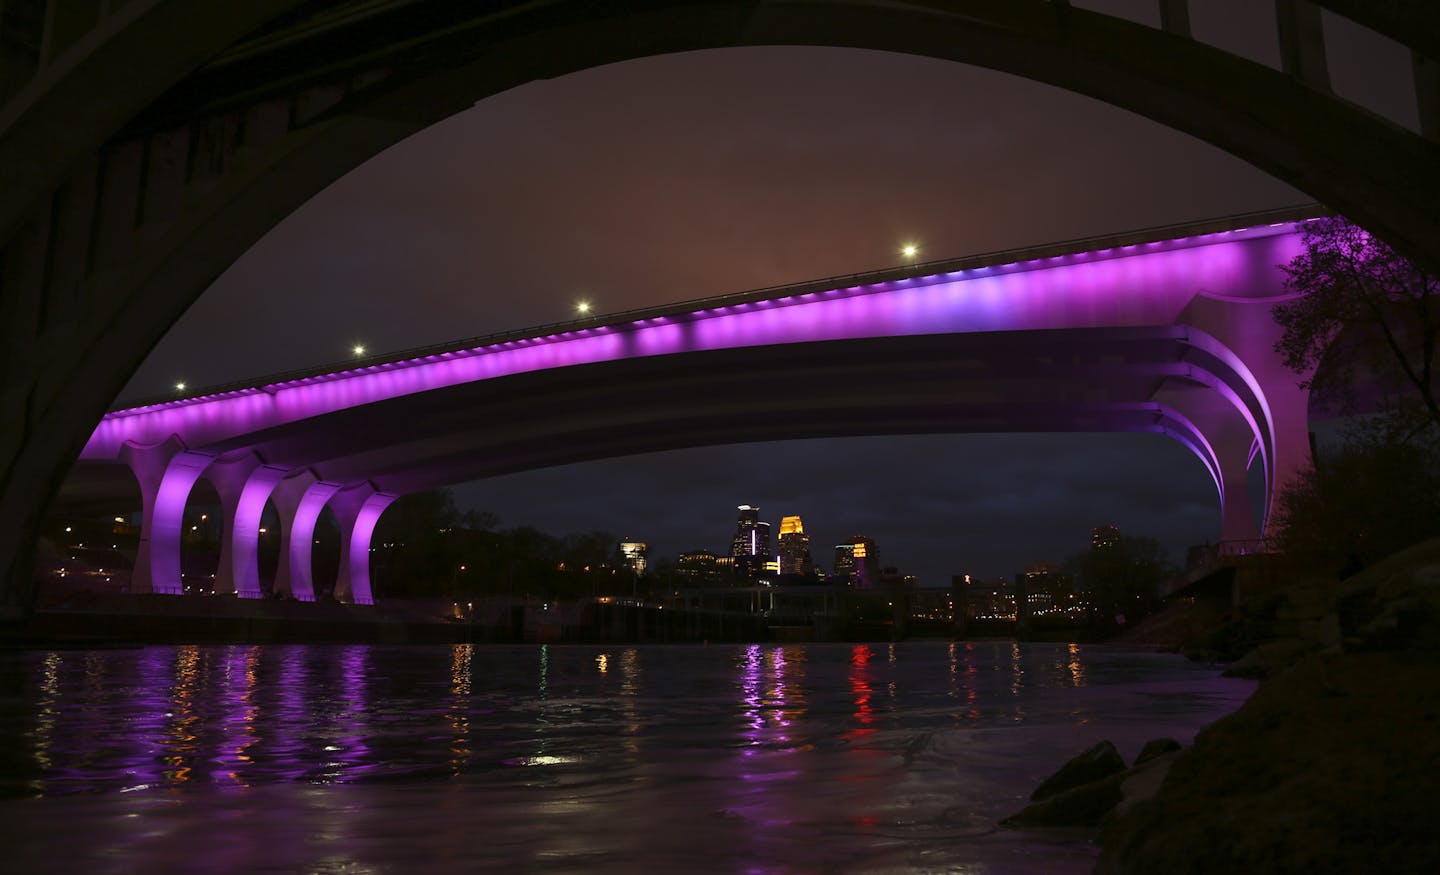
x,y
357,509
1427,94
1237,516
166,472
1228,438
1302,42
1246,333
244,484
1175,17
299,500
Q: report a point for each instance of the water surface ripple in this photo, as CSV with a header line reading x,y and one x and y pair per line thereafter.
x,y
610,759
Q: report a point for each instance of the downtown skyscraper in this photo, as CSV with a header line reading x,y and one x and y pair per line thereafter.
x,y
750,548
794,547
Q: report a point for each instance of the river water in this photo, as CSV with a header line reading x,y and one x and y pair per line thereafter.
x,y
811,758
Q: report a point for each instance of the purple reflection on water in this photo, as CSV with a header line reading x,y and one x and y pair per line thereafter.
x,y
241,710
285,725
799,758
347,754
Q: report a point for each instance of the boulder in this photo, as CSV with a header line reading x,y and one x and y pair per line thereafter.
x,y
1270,658
1085,805
1098,761
1143,781
1154,748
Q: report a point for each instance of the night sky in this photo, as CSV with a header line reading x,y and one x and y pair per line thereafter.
x,y
673,178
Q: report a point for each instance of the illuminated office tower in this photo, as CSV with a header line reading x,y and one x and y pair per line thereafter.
x,y
845,562
751,547
633,552
794,547
699,567
867,562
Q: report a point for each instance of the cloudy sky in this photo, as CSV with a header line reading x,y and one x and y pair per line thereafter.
x,y
672,178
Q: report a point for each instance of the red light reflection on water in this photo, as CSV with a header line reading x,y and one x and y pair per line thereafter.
x,y
860,688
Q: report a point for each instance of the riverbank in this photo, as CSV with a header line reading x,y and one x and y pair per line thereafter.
x,y
1333,765
108,619
83,619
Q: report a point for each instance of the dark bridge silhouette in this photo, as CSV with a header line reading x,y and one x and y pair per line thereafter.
x,y
143,147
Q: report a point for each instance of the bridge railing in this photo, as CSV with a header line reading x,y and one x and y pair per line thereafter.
x,y
1238,222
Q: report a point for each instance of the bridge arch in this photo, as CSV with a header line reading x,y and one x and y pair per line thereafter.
x,y
119,225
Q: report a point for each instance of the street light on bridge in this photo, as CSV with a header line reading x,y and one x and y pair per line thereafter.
x,y
583,308
180,387
358,349
910,250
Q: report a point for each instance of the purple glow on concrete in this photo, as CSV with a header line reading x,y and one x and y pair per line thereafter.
x,y
1260,428
355,575
1090,290
243,527
1159,286
230,477
1177,426
157,559
302,539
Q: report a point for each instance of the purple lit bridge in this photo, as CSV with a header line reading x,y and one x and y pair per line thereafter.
x,y
1166,331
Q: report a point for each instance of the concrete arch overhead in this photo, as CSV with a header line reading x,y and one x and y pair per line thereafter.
x,y
119,224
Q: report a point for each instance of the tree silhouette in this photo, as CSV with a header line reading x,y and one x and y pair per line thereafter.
x,y
1362,314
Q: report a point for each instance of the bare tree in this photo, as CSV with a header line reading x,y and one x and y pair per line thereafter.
x,y
1362,312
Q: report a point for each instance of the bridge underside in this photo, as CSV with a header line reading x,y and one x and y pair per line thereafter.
x,y
356,461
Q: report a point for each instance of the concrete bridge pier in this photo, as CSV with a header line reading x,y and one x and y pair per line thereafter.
x,y
1247,328
299,500
1231,445
357,509
166,472
244,484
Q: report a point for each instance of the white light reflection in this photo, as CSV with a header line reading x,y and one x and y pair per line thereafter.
x,y
461,658
45,713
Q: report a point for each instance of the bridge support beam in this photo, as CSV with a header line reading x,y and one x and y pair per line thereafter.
x,y
166,473
299,499
1248,331
357,509
1302,42
244,485
1228,440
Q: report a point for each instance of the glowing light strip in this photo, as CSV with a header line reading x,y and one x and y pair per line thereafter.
x,y
1146,284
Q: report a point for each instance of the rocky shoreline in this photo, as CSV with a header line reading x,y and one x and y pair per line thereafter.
x,y
1331,766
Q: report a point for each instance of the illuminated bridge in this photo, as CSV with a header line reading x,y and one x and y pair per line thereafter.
x,y
1167,331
